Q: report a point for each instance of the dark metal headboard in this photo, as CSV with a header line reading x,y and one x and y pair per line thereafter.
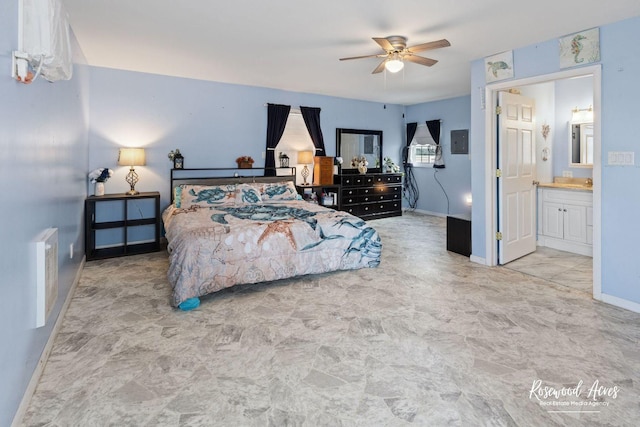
x,y
226,176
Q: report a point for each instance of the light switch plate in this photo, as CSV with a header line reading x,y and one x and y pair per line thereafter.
x,y
621,158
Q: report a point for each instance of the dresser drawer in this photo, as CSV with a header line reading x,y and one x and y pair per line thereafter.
x,y
388,189
356,180
380,208
371,196
389,178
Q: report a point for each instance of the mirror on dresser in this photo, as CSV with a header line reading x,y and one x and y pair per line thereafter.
x,y
352,143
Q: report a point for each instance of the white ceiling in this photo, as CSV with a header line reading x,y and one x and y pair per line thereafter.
x,y
295,44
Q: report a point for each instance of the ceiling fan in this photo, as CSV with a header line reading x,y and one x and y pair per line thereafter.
x,y
396,52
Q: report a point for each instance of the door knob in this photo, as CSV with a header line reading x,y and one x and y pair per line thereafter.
x,y
536,182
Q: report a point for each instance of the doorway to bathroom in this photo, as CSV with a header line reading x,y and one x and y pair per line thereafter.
x,y
549,92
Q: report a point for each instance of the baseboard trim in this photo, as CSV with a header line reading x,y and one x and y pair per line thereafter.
x,y
619,302
478,260
565,245
423,212
35,377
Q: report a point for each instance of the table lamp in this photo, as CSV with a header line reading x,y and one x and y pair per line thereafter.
x,y
131,157
306,158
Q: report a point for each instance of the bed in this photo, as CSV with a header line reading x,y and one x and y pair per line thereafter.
x,y
225,231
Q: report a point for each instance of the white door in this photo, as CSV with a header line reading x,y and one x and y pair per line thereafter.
x,y
516,188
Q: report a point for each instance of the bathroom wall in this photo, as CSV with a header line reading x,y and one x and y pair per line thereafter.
x,y
544,95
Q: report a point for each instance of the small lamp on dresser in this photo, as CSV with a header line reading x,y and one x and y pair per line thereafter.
x,y
132,157
305,158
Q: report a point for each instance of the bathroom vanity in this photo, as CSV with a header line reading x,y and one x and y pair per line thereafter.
x,y
565,217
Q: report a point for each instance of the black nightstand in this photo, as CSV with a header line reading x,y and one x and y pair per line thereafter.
x,y
120,225
306,190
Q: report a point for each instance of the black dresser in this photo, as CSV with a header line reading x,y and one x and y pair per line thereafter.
x,y
371,195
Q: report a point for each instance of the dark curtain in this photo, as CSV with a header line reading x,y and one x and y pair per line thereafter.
x,y
311,116
411,132
276,121
409,187
434,130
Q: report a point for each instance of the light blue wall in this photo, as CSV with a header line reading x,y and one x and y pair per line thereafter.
x,y
455,114
620,195
43,153
211,123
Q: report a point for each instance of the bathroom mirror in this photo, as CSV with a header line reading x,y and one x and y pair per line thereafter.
x,y
358,142
581,144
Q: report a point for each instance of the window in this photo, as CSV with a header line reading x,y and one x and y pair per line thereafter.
x,y
295,139
296,136
422,151
422,154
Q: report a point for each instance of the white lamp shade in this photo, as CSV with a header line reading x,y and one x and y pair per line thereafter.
x,y
305,157
394,65
131,157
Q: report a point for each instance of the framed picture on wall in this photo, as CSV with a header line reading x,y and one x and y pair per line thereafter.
x,y
580,48
498,66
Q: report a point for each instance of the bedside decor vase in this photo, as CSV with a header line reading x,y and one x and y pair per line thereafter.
x,y
99,189
362,169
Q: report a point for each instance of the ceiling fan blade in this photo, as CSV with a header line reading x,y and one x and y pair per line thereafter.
x,y
379,68
382,55
428,46
420,60
384,43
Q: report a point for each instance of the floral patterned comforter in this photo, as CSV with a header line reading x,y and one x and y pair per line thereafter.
x,y
215,247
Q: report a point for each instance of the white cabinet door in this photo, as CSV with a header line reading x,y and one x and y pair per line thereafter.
x,y
566,220
552,219
575,223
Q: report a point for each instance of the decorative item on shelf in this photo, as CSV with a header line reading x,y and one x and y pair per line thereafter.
x,y
305,158
99,177
284,160
361,163
337,163
244,162
131,157
390,166
177,158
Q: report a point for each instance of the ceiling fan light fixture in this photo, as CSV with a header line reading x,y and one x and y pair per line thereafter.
x,y
394,64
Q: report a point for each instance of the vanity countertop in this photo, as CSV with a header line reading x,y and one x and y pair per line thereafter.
x,y
565,186
565,183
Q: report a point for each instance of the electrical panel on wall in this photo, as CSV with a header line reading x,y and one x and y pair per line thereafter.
x,y
460,141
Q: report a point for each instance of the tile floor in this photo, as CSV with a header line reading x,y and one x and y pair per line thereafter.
x,y
562,268
426,339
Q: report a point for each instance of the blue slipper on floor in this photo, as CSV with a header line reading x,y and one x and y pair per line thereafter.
x,y
189,304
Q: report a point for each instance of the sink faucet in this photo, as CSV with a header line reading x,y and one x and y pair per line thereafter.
x,y
589,182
